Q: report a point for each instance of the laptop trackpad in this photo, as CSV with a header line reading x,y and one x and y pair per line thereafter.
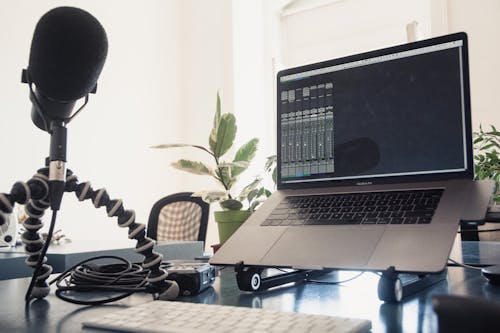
x,y
317,247
248,244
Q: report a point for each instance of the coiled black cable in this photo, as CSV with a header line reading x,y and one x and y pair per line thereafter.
x,y
87,276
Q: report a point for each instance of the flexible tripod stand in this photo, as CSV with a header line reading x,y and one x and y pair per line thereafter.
x,y
34,194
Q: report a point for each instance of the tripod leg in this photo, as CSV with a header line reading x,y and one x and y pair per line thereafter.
x,y
158,284
35,209
32,194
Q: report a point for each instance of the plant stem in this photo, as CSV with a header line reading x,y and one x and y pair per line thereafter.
x,y
221,176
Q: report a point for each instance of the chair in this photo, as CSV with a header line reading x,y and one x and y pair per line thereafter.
x,y
178,217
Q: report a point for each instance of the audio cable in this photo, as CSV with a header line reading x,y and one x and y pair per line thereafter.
x,y
124,278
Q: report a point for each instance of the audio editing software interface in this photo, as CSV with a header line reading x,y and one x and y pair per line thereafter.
x,y
307,127
376,115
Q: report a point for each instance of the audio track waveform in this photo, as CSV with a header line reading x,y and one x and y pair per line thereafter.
x,y
307,131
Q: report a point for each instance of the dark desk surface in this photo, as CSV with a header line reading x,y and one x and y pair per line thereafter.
x,y
65,255
357,298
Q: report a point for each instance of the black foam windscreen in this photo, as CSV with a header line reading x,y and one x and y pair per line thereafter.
x,y
67,53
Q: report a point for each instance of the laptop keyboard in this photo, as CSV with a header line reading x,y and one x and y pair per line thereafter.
x,y
392,207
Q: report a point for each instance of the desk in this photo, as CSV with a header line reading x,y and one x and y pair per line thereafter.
x,y
357,298
65,255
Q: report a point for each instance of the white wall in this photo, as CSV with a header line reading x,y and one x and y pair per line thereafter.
x,y
137,105
206,62
255,32
481,21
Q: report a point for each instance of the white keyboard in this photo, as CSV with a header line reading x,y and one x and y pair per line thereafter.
x,y
183,317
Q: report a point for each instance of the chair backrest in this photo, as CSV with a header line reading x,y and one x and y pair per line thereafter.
x,y
178,217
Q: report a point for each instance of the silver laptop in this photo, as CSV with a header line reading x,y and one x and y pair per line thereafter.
x,y
374,163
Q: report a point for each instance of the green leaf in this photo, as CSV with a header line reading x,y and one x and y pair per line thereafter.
x,y
260,197
239,164
492,156
171,145
270,162
254,205
478,139
261,191
253,194
231,204
245,154
225,176
247,151
496,178
213,133
211,196
178,145
493,131
224,171
217,111
244,193
197,168
488,146
226,132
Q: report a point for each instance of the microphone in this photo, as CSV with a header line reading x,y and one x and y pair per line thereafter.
x,y
68,51
67,54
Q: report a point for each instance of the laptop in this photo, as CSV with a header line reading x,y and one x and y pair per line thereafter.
x,y
375,163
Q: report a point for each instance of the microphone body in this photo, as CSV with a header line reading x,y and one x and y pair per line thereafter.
x,y
44,108
67,54
68,51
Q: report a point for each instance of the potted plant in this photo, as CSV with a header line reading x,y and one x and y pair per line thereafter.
x,y
235,208
487,156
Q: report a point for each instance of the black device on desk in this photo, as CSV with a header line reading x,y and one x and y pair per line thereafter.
x,y
192,277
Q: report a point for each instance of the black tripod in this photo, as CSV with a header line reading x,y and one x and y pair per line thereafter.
x,y
35,196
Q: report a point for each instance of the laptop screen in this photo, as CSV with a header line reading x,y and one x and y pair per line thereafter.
x,y
401,113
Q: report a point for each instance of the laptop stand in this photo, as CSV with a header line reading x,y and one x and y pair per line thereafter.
x,y
252,278
393,287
